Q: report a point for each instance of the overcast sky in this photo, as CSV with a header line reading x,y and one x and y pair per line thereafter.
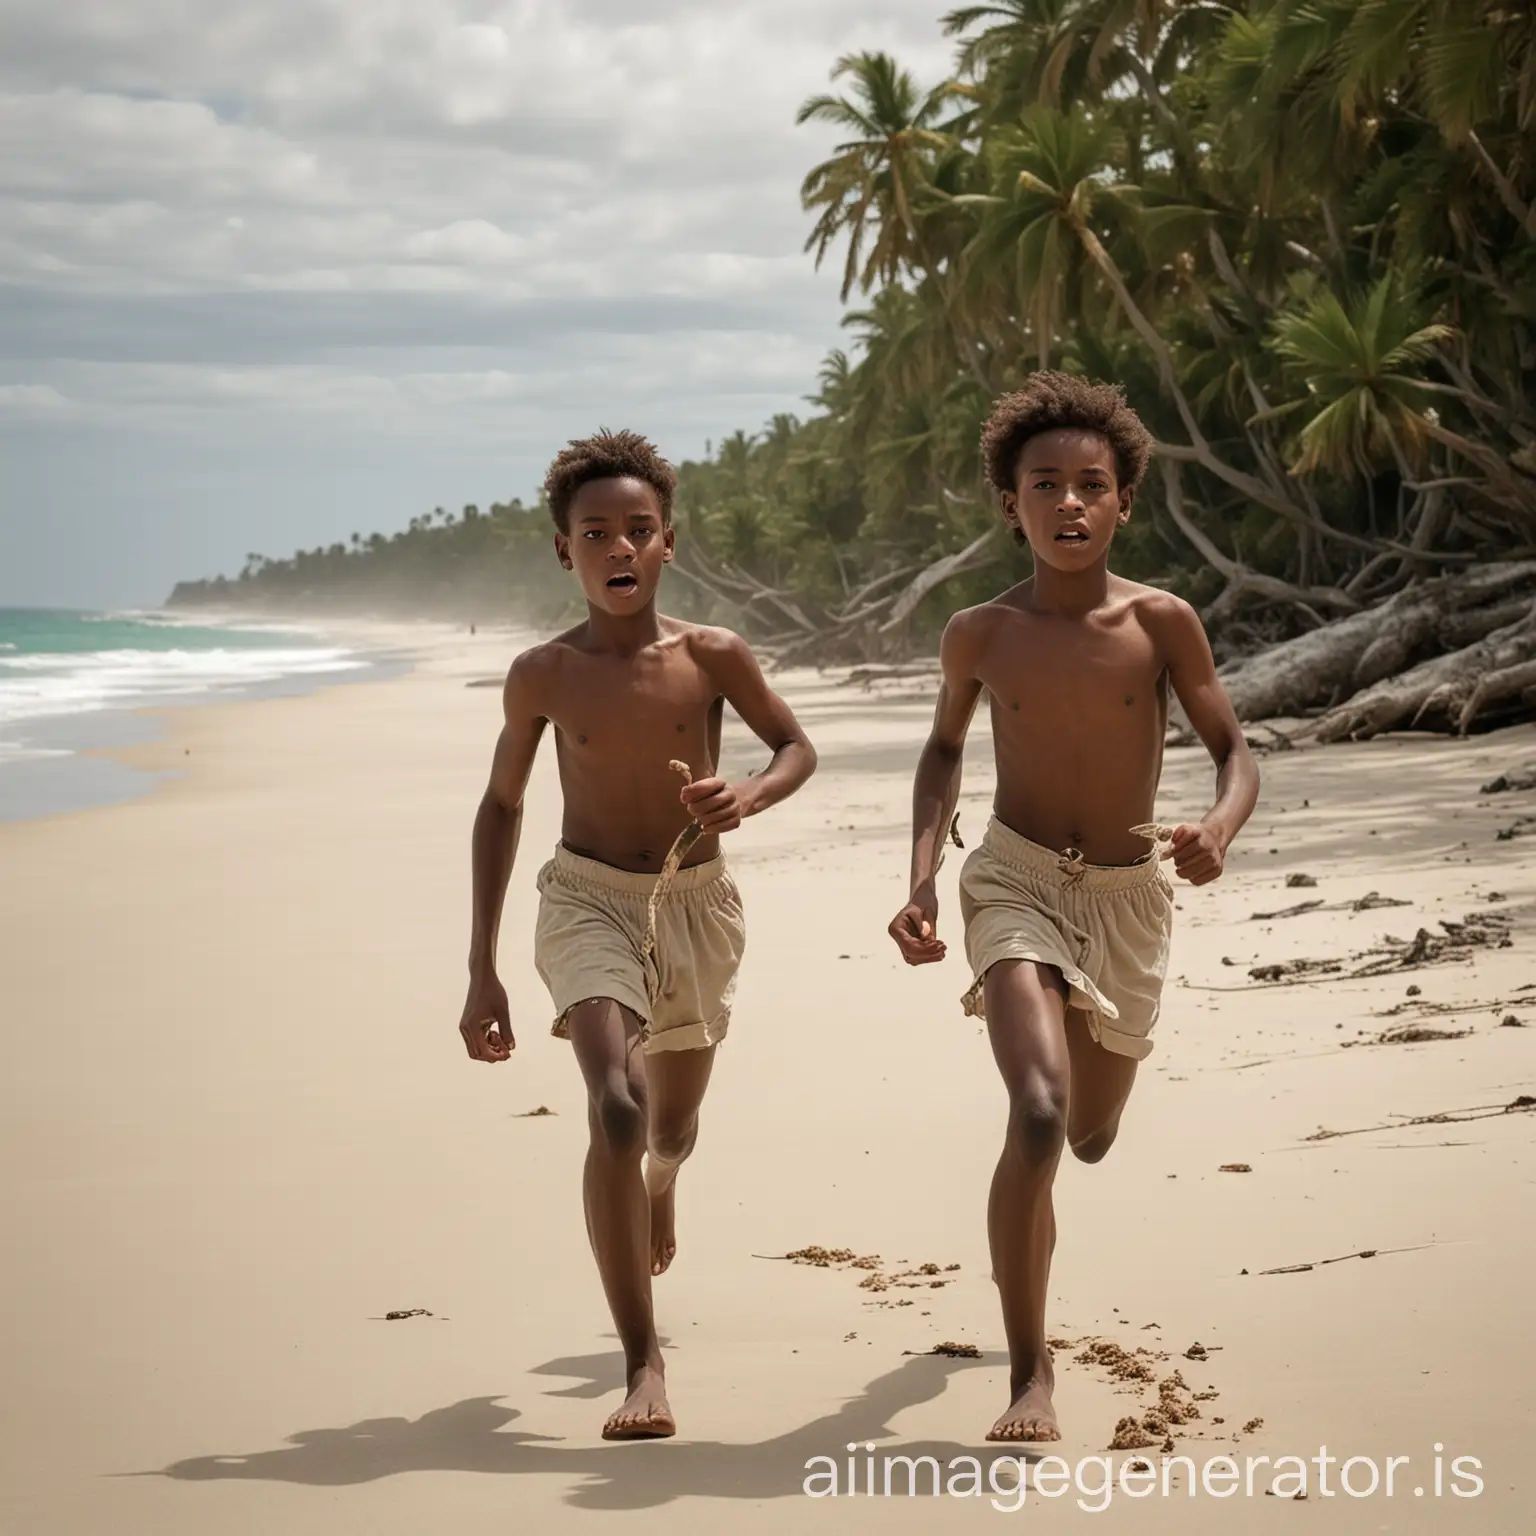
x,y
272,273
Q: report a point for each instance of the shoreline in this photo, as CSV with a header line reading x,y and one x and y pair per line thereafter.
x,y
97,758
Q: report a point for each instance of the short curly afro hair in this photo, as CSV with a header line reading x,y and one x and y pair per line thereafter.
x,y
606,456
1049,402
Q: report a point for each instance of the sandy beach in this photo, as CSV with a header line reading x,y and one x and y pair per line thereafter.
x,y
237,1128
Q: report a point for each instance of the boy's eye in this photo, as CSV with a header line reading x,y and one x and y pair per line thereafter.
x,y
642,533
1044,485
593,533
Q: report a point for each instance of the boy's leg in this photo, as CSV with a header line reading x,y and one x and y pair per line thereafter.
x,y
1101,1083
676,1081
606,1039
1025,1008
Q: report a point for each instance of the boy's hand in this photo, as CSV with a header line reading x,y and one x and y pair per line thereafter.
x,y
915,928
486,1025
1197,853
714,804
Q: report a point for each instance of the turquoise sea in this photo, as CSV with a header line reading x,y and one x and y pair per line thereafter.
x,y
70,680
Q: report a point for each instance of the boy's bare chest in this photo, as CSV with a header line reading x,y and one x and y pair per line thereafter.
x,y
1047,675
614,709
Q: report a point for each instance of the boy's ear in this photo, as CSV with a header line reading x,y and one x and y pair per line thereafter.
x,y
668,543
1127,496
1009,502
563,550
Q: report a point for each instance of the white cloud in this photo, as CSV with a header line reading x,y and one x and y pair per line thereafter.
x,y
598,198
31,397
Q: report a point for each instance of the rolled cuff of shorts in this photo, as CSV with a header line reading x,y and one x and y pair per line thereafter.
x,y
625,997
1117,1041
1081,992
688,1037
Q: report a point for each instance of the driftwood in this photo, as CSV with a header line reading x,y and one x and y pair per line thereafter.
x,y
1444,654
869,624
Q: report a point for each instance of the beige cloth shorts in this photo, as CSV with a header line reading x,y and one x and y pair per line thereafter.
x,y
588,939
1104,927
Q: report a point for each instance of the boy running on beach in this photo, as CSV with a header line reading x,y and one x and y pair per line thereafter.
x,y
629,692
1066,906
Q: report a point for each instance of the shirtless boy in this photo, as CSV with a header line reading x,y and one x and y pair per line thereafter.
x,y
627,692
1066,906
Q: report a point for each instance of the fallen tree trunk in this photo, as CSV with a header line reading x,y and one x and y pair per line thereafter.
x,y
1327,667
1446,693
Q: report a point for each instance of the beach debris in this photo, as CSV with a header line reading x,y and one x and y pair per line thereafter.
x,y
1457,942
1131,1435
815,1255
535,1114
1420,1006
1235,1168
1122,1364
1197,1351
1253,1426
395,1317
1277,741
1299,882
1509,1021
1517,828
1175,1403
1370,902
1524,1104
929,1276
950,1351
1507,783
1408,1034
1343,1258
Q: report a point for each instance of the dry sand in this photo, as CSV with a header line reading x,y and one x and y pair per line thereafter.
x,y
237,1128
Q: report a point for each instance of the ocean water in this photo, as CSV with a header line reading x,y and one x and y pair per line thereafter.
x,y
70,680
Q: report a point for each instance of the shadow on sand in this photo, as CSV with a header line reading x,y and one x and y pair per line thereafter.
x,y
472,1436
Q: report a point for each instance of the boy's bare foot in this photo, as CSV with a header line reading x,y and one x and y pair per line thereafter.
x,y
646,1414
1031,1415
664,1227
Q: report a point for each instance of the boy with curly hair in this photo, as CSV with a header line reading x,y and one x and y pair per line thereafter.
x,y
628,692
1066,908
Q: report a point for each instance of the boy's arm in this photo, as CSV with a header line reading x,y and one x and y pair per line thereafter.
x,y
1199,851
936,789
721,807
486,1026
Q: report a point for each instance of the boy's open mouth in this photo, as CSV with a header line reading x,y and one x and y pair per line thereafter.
x,y
625,581
1072,536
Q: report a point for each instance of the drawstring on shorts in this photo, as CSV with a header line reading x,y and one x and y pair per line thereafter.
x,y
1074,865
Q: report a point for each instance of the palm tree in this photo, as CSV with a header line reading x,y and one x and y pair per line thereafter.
x,y
1361,368
876,176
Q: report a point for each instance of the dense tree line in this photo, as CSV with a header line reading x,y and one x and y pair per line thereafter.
x,y
1301,233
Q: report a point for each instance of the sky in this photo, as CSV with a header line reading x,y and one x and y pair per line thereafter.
x,y
271,274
